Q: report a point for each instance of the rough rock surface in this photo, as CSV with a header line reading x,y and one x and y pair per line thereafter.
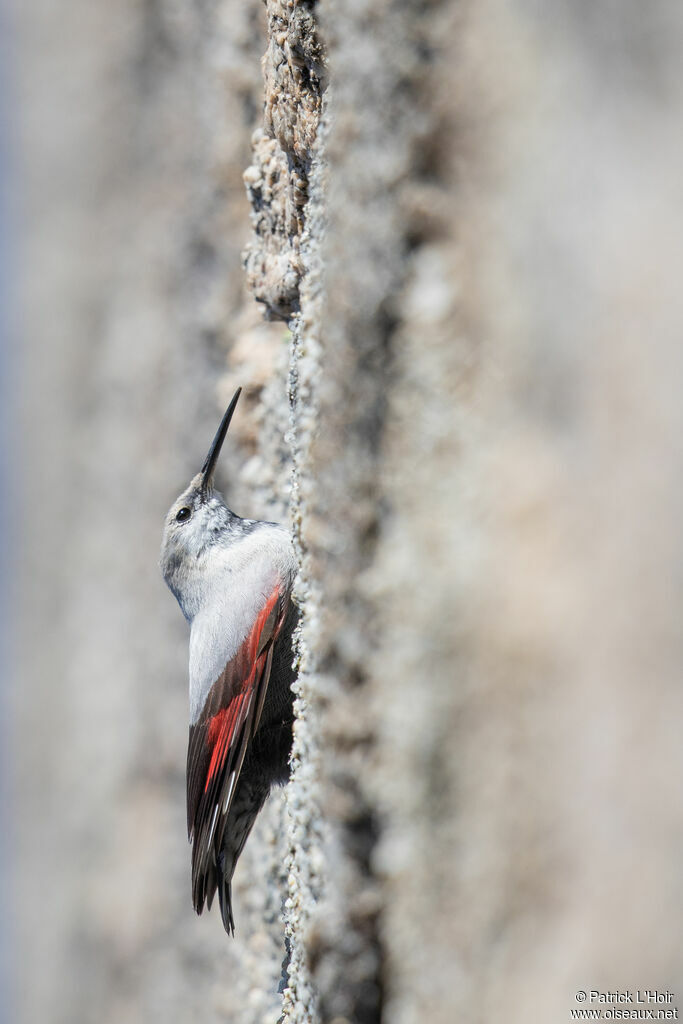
x,y
476,426
277,180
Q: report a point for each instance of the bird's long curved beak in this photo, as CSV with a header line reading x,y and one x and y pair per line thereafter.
x,y
216,445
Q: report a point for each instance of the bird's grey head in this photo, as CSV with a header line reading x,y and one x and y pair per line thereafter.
x,y
196,521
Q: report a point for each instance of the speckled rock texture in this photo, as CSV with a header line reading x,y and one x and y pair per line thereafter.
x,y
486,442
469,212
277,181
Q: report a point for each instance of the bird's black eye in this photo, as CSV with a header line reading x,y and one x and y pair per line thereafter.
x,y
183,514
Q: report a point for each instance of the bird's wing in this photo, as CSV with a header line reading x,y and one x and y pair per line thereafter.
x,y
219,740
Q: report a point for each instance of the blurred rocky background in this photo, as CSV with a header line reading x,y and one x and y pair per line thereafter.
x,y
469,214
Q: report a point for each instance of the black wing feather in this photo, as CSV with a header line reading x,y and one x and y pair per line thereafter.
x,y
240,690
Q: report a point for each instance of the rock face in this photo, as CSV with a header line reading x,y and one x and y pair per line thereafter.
x,y
466,212
277,181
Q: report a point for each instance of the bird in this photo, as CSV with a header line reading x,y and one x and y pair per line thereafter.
x,y
233,580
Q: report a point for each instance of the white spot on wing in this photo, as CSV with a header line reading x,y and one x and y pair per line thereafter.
x,y
233,780
213,825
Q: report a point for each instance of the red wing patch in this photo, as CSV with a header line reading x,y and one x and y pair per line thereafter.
x,y
220,733
222,726
219,741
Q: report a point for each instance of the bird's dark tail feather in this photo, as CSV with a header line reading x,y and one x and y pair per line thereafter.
x,y
225,900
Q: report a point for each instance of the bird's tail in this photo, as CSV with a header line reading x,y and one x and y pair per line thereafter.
x,y
225,900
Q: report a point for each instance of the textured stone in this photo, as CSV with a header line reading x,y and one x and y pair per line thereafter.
x,y
277,181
